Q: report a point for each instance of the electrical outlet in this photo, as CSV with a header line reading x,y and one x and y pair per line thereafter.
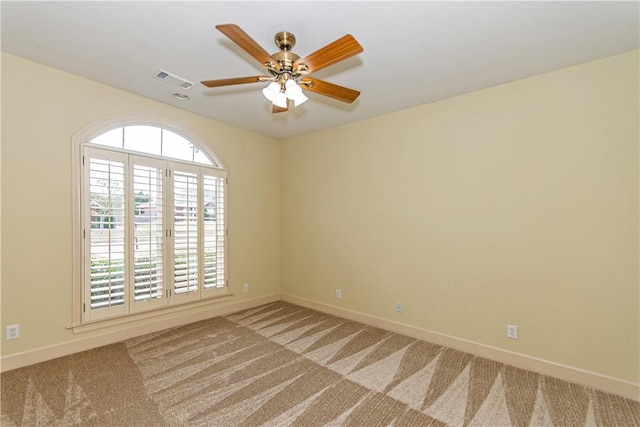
x,y
245,287
339,293
398,307
12,332
512,332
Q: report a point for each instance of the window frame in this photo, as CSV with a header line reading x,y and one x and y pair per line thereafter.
x,y
79,141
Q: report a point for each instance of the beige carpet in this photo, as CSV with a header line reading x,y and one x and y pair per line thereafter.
x,y
281,365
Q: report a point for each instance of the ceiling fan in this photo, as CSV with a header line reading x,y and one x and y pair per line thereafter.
x,y
289,72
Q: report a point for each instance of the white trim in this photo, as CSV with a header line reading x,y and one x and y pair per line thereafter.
x,y
154,324
541,366
77,267
137,317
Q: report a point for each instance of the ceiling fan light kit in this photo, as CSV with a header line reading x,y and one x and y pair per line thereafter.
x,y
288,72
294,92
274,93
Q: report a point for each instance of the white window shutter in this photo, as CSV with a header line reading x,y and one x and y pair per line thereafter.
x,y
186,217
106,235
154,229
214,230
148,246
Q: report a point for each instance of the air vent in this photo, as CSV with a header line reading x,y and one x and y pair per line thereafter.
x,y
173,80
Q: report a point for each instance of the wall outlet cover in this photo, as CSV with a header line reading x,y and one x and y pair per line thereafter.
x,y
12,332
512,332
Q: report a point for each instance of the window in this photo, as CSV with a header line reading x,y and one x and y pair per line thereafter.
x,y
152,208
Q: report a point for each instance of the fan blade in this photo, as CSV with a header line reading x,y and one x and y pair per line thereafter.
x,y
234,81
332,90
337,51
277,109
242,39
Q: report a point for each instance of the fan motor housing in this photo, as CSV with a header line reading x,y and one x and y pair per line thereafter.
x,y
285,60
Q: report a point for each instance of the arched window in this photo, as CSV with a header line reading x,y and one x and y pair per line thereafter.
x,y
153,140
152,210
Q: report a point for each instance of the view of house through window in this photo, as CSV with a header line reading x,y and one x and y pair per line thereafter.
x,y
153,212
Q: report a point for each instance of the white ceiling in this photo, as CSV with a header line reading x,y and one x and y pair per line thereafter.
x,y
414,52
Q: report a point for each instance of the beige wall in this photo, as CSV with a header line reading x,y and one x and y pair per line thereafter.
x,y
42,109
515,204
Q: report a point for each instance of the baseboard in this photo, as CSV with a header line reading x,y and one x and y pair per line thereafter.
x,y
42,354
544,367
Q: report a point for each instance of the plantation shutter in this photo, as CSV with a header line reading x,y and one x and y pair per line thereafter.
x,y
214,230
106,236
186,217
154,230
148,249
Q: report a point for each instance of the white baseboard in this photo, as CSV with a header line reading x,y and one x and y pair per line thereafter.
x,y
544,367
42,354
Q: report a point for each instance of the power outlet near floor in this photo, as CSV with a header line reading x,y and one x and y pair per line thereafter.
x,y
245,287
512,332
339,293
398,307
12,332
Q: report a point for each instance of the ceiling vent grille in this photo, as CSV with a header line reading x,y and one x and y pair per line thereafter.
x,y
173,80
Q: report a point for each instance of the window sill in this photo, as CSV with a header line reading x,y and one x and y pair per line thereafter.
x,y
137,317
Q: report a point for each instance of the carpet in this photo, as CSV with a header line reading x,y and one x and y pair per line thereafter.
x,y
285,365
